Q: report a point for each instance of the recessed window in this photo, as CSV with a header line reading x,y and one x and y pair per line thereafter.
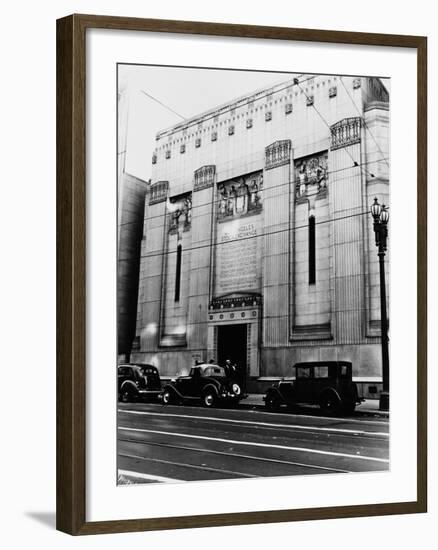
x,y
214,136
230,130
268,116
309,100
178,272
198,142
168,154
182,149
288,108
312,266
154,159
249,123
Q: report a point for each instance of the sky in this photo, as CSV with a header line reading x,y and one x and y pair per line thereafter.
x,y
187,91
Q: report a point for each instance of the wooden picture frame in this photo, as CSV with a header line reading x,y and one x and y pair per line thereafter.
x,y
71,273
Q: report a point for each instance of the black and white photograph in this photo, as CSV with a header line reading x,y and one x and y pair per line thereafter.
x,y
252,274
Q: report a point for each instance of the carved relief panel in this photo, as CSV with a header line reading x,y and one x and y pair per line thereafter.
x,y
180,211
311,175
240,196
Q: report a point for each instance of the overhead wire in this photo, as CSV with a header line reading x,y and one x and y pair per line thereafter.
x,y
264,234
162,104
291,182
283,184
355,163
364,123
297,83
269,92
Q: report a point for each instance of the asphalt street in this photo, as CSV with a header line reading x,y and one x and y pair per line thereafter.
x,y
159,443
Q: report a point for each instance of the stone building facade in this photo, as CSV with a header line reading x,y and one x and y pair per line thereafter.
x,y
257,242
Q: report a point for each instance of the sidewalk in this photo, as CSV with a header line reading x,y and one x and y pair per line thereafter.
x,y
368,407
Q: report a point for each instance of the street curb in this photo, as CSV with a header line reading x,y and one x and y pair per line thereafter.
x,y
244,404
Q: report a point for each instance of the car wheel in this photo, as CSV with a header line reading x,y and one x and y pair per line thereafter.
x,y
167,397
349,408
127,396
329,403
209,399
272,403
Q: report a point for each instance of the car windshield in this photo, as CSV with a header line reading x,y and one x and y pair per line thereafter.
x,y
125,371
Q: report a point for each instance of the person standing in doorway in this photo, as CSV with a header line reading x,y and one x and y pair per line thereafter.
x,y
230,369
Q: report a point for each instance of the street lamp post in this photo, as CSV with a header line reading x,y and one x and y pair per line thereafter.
x,y
381,217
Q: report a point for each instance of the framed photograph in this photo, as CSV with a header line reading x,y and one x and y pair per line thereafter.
x,y
241,274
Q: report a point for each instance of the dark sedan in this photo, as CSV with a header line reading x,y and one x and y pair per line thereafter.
x,y
207,384
138,381
328,384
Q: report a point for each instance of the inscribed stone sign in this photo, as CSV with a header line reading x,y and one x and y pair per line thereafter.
x,y
238,256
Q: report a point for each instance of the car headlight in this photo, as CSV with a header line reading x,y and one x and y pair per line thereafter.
x,y
236,389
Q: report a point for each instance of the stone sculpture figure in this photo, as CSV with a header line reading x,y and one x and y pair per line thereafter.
x,y
242,197
223,201
302,179
231,202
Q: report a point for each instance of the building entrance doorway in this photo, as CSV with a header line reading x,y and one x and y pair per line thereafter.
x,y
232,345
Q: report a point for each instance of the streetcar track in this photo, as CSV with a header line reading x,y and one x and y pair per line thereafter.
x,y
335,420
184,465
311,430
257,444
236,455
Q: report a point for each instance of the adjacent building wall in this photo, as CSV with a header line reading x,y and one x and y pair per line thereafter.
x,y
131,198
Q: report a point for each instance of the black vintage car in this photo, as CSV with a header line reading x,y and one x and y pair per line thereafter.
x,y
206,383
138,381
328,384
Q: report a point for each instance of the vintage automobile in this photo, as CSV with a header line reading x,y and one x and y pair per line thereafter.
x,y
206,383
138,381
328,384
